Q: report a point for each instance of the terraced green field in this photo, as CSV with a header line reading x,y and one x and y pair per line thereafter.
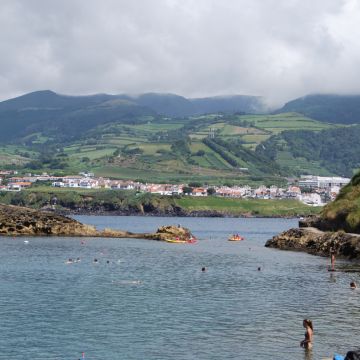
x,y
149,150
286,121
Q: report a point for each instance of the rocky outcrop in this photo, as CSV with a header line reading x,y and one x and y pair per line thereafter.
x,y
316,242
324,224
173,232
336,228
17,221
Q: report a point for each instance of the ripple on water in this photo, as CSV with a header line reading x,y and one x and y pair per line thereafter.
x,y
150,300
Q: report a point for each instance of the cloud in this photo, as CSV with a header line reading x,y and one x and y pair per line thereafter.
x,y
278,49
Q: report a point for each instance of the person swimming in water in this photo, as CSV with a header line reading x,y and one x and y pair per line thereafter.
x,y
353,285
309,331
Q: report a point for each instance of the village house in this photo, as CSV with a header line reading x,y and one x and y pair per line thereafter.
x,y
199,191
17,186
127,185
293,191
261,191
87,183
226,191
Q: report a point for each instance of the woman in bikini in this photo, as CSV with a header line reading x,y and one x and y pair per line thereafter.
x,y
307,342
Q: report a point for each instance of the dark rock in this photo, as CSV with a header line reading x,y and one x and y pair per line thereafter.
x,y
16,221
316,242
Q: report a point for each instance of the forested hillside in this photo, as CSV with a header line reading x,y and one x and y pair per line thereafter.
x,y
337,150
337,109
64,117
56,115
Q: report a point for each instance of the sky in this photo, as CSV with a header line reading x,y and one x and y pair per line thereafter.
x,y
279,49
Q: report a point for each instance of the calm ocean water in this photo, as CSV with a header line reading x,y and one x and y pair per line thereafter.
x,y
152,302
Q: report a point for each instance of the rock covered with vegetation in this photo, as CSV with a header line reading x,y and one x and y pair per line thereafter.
x,y
126,202
344,212
337,227
173,232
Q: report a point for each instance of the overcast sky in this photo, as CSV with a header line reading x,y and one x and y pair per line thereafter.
x,y
280,49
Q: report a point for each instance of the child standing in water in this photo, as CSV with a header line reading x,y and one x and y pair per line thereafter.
x,y
332,259
307,342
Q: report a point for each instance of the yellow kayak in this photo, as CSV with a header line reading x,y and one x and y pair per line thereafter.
x,y
174,241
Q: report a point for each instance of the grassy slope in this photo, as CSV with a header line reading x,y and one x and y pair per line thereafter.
x,y
247,206
345,210
114,200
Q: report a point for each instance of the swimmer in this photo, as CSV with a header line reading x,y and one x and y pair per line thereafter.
x,y
127,282
95,260
203,269
107,261
353,285
77,260
69,261
259,268
309,331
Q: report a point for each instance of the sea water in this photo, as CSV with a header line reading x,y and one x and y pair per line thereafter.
x,y
150,300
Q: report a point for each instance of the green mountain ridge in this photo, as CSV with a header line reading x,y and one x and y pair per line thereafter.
x,y
340,109
127,137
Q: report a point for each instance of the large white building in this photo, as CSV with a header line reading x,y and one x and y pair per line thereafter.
x,y
322,182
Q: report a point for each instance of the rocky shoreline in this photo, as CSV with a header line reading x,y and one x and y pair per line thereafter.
x,y
21,221
314,241
180,213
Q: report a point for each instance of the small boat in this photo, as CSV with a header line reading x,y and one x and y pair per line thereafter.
x,y
192,240
236,238
176,241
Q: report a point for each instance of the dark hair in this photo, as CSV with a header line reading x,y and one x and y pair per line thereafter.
x,y
309,323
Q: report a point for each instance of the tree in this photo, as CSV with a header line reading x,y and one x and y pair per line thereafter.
x,y
195,184
187,190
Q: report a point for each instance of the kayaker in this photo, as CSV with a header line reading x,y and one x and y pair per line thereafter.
x,y
309,330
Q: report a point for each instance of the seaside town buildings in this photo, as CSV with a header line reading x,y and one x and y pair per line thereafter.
x,y
311,190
